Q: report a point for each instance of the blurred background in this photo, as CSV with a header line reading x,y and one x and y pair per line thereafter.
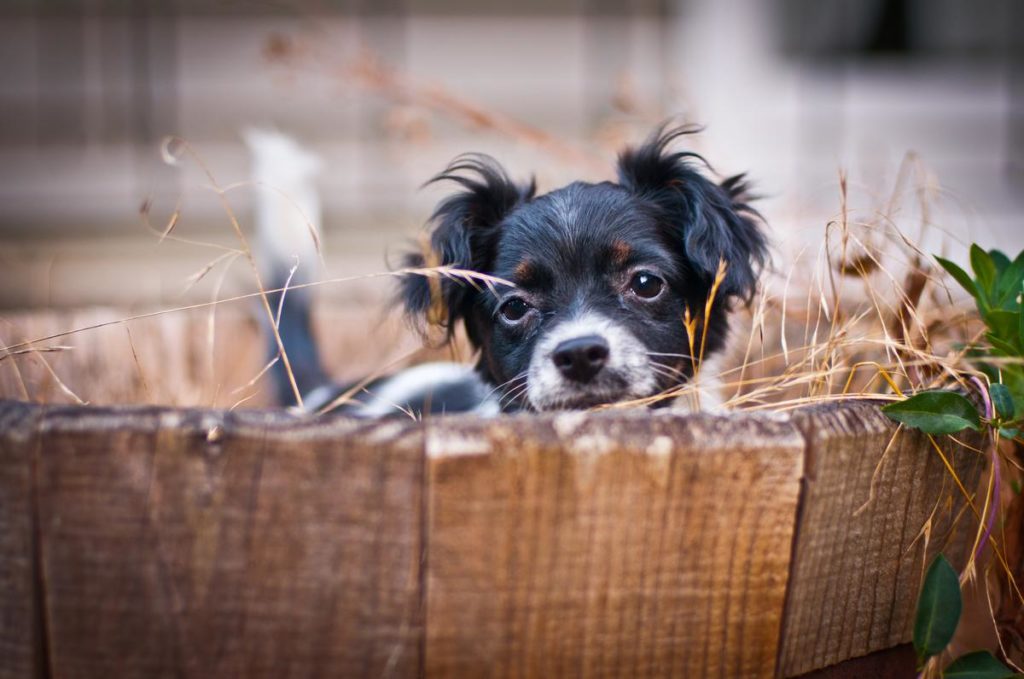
x,y
795,92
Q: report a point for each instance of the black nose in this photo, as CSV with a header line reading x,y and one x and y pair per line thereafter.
x,y
580,358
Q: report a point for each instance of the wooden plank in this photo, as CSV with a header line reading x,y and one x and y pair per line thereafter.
x,y
856,575
207,544
202,543
609,545
21,648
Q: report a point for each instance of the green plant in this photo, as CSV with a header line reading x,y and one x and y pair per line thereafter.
x,y
938,612
997,287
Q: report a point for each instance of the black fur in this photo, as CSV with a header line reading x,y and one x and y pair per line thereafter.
x,y
466,230
712,222
295,328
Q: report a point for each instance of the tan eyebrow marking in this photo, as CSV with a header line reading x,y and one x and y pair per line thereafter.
x,y
524,270
620,252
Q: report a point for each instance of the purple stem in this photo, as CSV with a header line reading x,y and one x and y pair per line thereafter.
x,y
991,522
984,396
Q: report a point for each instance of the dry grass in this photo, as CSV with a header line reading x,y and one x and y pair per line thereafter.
x,y
863,316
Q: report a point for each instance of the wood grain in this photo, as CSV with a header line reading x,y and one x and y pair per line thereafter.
x,y
205,544
20,624
633,546
138,542
855,576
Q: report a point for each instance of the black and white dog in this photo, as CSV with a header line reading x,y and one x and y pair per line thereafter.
x,y
600,280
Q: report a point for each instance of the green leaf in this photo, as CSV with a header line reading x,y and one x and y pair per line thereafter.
x,y
935,412
938,609
959,275
1008,287
1000,259
1002,401
1001,346
977,665
1013,377
984,270
1005,325
1020,327
1009,433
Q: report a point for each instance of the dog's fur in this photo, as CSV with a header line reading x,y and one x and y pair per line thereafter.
x,y
602,276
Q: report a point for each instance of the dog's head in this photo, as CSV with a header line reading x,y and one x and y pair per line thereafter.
x,y
603,274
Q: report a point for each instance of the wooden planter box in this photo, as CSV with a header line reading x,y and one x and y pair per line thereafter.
x,y
150,542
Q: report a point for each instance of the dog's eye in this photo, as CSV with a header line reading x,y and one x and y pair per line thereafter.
x,y
514,309
646,285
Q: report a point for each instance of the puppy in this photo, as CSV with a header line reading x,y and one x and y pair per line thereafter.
x,y
598,282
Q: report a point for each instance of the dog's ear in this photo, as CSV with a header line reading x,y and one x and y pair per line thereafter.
x,y
711,222
464,235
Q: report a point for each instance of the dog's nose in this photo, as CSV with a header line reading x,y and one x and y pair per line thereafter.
x,y
580,358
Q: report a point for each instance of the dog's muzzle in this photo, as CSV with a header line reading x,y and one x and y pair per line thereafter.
x,y
587,361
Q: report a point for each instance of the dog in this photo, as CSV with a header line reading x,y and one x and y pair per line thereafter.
x,y
595,293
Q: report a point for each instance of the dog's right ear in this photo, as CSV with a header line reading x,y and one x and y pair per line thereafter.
x,y
711,222
464,235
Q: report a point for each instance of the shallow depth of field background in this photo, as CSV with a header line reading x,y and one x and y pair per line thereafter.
x,y
793,91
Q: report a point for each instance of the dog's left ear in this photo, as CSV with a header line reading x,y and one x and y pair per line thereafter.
x,y
711,222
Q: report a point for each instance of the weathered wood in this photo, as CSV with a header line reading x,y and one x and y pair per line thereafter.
x,y
856,574
204,544
151,542
633,546
20,624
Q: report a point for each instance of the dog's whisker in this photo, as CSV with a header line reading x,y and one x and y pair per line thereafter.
x,y
513,385
518,387
665,369
673,376
669,355
509,399
508,383
513,395
673,369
